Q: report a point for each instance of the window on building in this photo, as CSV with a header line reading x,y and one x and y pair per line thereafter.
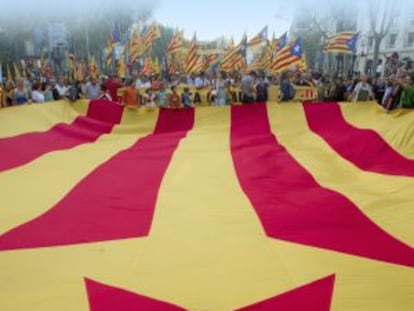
x,y
410,39
391,40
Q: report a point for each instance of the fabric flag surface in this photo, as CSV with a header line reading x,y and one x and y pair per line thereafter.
x,y
342,42
245,208
290,55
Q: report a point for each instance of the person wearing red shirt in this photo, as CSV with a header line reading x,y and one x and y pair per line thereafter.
x,y
112,85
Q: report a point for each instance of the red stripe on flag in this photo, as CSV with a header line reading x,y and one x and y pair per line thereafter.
x,y
115,201
22,149
316,296
105,110
107,298
292,206
364,148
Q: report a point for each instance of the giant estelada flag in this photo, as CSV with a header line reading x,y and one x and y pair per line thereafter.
x,y
256,207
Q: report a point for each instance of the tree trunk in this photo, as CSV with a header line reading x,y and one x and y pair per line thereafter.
x,y
377,43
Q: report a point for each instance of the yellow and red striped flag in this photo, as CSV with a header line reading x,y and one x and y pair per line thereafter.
x,y
9,74
243,229
137,48
343,42
151,34
176,43
17,74
192,58
261,37
236,57
291,55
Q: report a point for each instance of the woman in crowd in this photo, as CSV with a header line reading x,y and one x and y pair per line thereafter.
x,y
21,95
220,98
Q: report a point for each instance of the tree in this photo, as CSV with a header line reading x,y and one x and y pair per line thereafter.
x,y
317,23
381,18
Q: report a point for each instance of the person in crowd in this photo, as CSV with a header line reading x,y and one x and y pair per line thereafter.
x,y
387,93
9,93
186,98
61,88
92,89
21,95
394,99
113,84
247,87
163,97
150,96
74,92
363,91
301,81
155,83
339,92
220,94
104,94
287,91
198,84
378,88
174,98
262,93
229,93
132,97
407,96
37,94
47,91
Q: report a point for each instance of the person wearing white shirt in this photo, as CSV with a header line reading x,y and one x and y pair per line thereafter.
x,y
37,95
61,87
198,82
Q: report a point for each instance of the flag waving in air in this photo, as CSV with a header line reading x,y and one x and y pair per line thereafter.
x,y
343,42
236,57
152,33
191,60
176,43
259,38
289,56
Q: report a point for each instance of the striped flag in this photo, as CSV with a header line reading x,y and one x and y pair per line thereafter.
x,y
261,37
343,42
93,67
151,34
17,74
191,60
290,208
9,74
256,64
176,43
289,56
235,58
136,45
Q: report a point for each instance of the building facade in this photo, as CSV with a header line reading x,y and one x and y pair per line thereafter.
x,y
399,39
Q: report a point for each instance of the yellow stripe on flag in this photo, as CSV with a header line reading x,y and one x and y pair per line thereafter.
x,y
38,118
387,200
56,173
395,128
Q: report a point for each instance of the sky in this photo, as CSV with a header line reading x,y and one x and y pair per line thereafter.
x,y
210,19
214,18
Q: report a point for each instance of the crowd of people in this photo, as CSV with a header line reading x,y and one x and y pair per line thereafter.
x,y
220,88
